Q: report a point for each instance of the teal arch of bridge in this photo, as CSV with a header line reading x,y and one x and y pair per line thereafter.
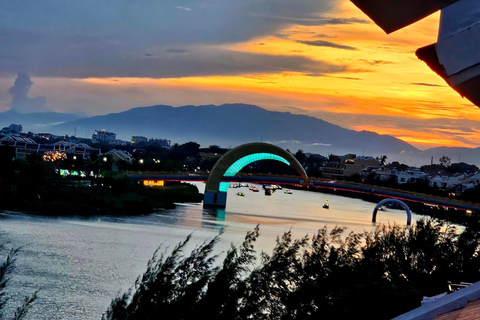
x,y
229,164
245,161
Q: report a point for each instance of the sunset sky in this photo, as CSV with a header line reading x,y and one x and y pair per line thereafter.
x,y
322,58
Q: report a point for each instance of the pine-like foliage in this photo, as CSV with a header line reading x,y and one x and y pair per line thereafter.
x,y
332,275
6,269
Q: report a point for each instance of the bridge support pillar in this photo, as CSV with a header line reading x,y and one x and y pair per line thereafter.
x,y
214,199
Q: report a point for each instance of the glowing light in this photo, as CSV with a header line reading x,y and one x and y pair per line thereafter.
x,y
153,183
54,156
245,161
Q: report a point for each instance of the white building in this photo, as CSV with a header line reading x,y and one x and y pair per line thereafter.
x,y
447,181
411,176
103,136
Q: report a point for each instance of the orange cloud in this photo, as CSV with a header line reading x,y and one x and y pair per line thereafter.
x,y
382,77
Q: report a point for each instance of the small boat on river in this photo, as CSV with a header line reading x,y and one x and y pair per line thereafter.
x,y
326,205
241,194
287,191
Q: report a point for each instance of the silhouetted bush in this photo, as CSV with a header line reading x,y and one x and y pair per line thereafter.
x,y
6,269
332,275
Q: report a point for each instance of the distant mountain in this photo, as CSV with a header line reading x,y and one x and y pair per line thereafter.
x,y
36,122
230,125
234,124
467,155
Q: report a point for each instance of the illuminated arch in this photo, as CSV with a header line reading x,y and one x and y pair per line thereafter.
x,y
401,203
235,160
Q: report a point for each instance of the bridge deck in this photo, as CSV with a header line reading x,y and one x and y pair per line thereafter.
x,y
315,184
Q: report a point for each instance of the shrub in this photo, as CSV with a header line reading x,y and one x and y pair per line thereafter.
x,y
376,275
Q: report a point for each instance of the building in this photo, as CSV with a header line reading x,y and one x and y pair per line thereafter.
x,y
411,176
119,155
25,146
446,180
139,139
381,173
348,165
162,142
103,136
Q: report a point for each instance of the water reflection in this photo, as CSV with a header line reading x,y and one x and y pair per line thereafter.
x,y
82,263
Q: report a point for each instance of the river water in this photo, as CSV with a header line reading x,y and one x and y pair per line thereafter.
x,y
80,264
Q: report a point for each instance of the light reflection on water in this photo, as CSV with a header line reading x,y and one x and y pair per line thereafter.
x,y
80,264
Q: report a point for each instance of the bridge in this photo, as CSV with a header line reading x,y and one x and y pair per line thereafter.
x,y
231,163
314,185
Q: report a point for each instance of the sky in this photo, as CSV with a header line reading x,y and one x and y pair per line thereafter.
x,y
322,58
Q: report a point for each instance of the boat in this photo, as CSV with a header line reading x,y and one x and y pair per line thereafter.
x,y
326,205
268,191
254,189
241,194
288,191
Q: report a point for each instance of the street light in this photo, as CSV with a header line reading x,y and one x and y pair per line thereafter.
x,y
140,161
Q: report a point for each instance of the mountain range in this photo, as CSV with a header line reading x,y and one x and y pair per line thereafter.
x,y
230,125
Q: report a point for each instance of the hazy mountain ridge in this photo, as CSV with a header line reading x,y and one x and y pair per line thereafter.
x,y
229,125
234,124
36,122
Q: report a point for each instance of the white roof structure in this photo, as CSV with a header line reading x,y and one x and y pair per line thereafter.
x,y
445,304
459,17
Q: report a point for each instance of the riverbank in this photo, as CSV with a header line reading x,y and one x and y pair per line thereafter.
x,y
99,197
451,210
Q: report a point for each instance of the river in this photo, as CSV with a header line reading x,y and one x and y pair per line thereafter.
x,y
80,264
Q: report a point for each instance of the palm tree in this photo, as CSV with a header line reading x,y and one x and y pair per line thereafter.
x,y
382,160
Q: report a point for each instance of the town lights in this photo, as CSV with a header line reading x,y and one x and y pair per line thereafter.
x,y
140,161
54,156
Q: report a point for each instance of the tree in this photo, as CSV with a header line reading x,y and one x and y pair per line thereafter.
x,y
301,157
330,275
382,160
445,161
6,269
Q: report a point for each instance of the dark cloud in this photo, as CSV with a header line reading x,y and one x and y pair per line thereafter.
x,y
376,62
177,50
91,38
315,21
323,43
199,62
21,102
425,84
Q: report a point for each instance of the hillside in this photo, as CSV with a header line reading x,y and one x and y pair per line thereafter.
x,y
234,124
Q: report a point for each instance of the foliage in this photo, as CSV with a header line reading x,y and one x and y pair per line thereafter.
x,y
375,275
6,269
445,161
